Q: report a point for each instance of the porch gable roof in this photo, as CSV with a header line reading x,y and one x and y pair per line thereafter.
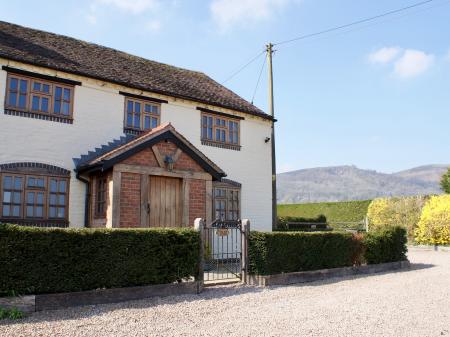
x,y
107,156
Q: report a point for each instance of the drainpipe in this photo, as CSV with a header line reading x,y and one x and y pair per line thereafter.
x,y
86,199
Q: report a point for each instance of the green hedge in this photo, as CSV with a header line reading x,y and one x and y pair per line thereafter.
x,y
282,222
333,211
39,260
284,252
385,245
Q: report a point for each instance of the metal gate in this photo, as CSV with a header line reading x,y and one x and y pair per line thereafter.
x,y
225,250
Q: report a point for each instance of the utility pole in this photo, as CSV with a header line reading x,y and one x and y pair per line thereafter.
x,y
269,51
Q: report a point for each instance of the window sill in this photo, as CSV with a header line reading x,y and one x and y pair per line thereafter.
x,y
221,145
134,132
36,222
39,115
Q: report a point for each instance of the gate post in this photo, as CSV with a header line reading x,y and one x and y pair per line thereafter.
x,y
199,225
245,238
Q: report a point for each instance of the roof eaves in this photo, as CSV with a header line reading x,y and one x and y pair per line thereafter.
x,y
256,112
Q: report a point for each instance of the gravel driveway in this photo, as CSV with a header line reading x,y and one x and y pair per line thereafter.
x,y
408,303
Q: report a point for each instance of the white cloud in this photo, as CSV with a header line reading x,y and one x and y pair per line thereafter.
x,y
384,55
413,63
227,13
132,6
407,63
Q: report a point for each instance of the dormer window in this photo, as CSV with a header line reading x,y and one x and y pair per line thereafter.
x,y
141,115
40,97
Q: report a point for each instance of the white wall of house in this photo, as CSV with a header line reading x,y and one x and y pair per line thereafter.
x,y
98,119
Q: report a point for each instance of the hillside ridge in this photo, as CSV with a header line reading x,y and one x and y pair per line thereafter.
x,y
348,182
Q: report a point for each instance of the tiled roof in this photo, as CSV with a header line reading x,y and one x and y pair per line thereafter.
x,y
103,149
106,156
88,59
231,182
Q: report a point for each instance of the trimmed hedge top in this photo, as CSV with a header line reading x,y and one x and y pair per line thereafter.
x,y
333,211
43,260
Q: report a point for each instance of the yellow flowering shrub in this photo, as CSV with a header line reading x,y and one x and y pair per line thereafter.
x,y
434,224
390,212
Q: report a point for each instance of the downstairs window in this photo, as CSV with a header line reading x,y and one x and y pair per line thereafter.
x,y
226,201
33,197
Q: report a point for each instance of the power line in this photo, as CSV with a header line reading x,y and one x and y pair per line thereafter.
x,y
389,19
259,79
306,36
243,67
302,37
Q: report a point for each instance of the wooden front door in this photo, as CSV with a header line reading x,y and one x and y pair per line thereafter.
x,y
165,203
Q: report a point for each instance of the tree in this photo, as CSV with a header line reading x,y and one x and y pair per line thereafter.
x,y
445,182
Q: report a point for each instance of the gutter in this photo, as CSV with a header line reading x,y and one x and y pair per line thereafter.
x,y
86,199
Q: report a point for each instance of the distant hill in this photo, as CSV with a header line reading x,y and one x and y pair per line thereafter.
x,y
341,183
430,173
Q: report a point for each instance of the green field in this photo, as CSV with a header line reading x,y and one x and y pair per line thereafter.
x,y
346,211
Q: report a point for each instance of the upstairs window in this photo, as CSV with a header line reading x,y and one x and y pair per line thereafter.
x,y
219,130
39,96
17,93
141,115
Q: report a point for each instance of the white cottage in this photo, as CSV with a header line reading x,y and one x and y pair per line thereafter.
x,y
92,136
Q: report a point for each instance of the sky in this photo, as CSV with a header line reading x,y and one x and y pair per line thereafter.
x,y
376,95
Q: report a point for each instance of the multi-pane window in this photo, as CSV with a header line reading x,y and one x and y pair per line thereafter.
x,y
100,201
141,115
17,92
39,96
34,197
207,127
12,189
62,100
233,204
233,132
220,129
220,203
226,203
57,198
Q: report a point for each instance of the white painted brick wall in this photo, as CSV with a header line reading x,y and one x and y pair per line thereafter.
x,y
98,119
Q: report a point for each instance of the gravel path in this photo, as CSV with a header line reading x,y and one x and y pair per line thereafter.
x,y
408,303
